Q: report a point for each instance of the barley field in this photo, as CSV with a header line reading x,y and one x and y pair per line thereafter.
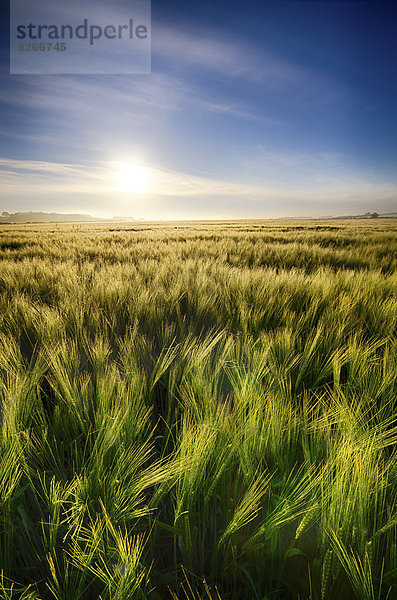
x,y
199,411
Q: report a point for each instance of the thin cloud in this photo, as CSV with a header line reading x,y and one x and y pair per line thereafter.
x,y
234,59
93,187
228,58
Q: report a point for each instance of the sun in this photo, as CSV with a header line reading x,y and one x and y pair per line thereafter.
x,y
131,177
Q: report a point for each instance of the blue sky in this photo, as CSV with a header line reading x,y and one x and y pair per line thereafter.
x,y
252,110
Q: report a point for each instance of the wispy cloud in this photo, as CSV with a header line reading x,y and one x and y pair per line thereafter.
x,y
230,59
213,51
300,168
173,194
9,165
91,104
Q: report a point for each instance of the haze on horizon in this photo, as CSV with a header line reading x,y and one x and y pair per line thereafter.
x,y
252,110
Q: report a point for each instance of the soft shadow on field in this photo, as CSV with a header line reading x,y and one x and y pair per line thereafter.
x,y
198,410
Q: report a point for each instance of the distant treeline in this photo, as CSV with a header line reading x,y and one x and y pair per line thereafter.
x,y
43,217
367,215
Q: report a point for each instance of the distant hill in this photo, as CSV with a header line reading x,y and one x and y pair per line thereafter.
x,y
42,217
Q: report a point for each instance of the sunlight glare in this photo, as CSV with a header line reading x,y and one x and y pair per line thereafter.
x,y
131,177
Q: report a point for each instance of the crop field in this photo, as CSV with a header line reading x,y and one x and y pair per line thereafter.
x,y
199,411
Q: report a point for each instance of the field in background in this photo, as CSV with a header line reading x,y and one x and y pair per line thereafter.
x,y
198,411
